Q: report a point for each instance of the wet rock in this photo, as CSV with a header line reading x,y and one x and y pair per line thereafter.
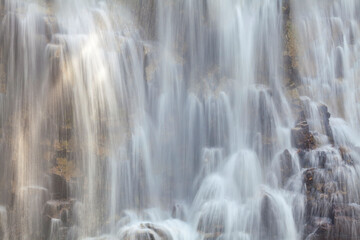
x,y
3,223
325,115
318,228
2,76
9,34
211,228
51,26
54,52
60,212
345,228
10,29
318,231
318,207
161,232
343,223
40,24
290,57
63,210
301,136
339,64
347,210
319,194
145,13
56,230
37,194
46,220
145,231
73,233
2,231
235,236
178,212
303,158
346,156
211,221
309,178
64,215
150,63
62,233
269,226
59,188
330,187
286,166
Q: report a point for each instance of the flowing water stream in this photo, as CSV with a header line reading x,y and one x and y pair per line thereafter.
x,y
179,119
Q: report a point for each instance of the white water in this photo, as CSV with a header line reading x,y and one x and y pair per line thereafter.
x,y
178,134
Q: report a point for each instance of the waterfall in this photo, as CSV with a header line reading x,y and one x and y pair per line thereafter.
x,y
179,119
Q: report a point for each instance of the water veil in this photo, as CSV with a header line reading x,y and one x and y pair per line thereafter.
x,y
179,119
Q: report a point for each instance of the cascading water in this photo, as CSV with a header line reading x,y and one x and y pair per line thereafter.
x,y
181,119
